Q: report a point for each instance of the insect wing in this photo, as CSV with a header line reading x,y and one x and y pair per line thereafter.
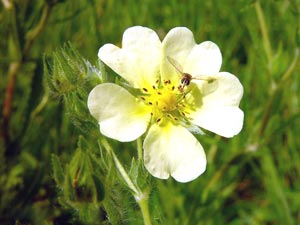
x,y
174,63
203,77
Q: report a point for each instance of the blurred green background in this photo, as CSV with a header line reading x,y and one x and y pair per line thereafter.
x,y
51,168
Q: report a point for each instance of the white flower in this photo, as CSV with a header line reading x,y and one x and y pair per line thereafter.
x,y
167,104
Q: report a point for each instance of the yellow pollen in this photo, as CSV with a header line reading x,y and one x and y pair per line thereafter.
x,y
166,100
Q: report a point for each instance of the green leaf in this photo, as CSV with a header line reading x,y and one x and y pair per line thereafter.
x,y
67,71
58,173
99,187
69,193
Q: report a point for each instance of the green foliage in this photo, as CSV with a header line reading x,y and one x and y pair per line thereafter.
x,y
80,188
54,165
70,76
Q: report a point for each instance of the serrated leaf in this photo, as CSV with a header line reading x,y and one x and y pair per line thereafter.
x,y
99,187
68,189
58,173
134,171
48,78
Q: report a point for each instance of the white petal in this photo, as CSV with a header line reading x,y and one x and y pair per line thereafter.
x,y
204,59
226,90
177,44
217,105
226,121
138,60
119,114
173,150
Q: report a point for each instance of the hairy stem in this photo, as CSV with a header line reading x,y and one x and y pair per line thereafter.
x,y
142,198
120,168
144,205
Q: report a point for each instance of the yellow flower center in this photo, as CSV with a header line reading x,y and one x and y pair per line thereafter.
x,y
167,101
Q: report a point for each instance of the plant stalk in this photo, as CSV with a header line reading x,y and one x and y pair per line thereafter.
x,y
280,84
140,150
144,205
142,198
264,31
16,65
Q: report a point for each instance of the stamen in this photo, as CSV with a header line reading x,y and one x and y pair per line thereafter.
x,y
167,82
167,100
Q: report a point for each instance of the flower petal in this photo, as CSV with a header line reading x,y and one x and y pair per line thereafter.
x,y
173,150
180,45
217,105
225,90
226,121
138,60
177,44
119,114
204,59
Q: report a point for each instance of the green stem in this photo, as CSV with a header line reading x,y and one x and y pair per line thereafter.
x,y
144,205
40,106
289,71
142,198
264,31
32,35
121,169
268,50
281,83
140,149
16,64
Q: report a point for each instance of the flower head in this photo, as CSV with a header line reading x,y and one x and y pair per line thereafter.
x,y
180,86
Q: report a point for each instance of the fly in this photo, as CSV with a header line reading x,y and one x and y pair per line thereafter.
x,y
186,78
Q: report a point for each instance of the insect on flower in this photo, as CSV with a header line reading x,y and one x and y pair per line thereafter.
x,y
186,78
168,102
